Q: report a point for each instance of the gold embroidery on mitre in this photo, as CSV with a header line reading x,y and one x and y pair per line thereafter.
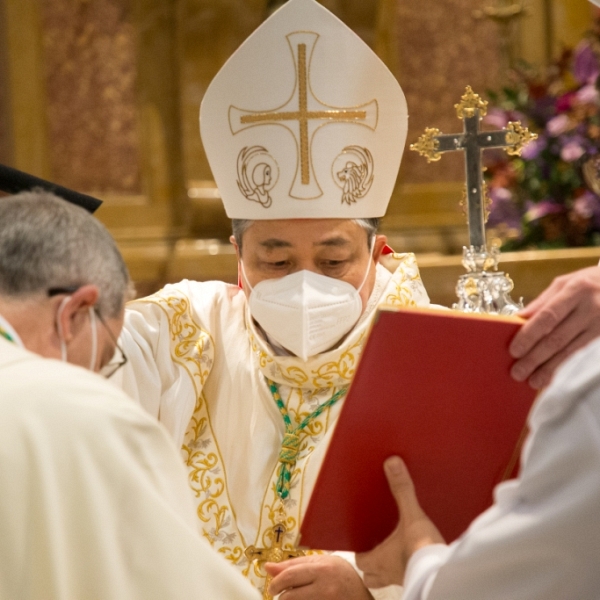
x,y
302,45
353,172
257,174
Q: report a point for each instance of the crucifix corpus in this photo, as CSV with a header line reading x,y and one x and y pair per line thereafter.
x,y
483,289
275,553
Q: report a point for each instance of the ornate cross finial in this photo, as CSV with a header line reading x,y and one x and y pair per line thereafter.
x,y
471,104
428,145
518,137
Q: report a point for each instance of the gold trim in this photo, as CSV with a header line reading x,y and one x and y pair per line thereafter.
x,y
470,104
427,145
518,137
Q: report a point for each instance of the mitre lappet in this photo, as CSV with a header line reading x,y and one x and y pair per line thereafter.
x,y
304,121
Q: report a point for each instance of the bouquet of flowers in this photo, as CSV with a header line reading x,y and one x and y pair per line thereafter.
x,y
549,197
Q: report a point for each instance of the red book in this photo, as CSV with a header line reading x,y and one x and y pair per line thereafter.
x,y
434,388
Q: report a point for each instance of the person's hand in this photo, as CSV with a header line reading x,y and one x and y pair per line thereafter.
x,y
386,563
316,577
561,320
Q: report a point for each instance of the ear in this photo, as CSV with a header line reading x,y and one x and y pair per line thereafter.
x,y
75,311
235,245
380,243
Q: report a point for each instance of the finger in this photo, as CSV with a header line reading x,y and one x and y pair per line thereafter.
x,y
542,323
554,343
293,577
304,593
276,568
537,303
543,376
402,488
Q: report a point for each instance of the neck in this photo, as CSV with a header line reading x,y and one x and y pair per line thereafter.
x,y
32,321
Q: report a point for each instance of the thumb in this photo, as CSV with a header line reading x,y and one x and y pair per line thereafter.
x,y
402,487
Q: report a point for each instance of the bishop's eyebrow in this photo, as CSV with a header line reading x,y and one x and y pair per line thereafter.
x,y
333,241
272,243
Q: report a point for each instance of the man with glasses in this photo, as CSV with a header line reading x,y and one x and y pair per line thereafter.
x,y
94,501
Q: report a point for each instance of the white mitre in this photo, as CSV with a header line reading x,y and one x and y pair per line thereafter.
x,y
304,121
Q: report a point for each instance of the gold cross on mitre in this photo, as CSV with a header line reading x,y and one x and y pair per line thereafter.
x,y
471,109
308,114
275,553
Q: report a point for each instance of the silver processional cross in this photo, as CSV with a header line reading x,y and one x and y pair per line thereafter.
x,y
478,291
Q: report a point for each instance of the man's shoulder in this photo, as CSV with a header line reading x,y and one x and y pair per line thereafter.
x,y
201,295
204,303
34,383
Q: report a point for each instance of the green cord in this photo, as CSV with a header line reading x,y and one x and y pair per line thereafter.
x,y
290,445
6,335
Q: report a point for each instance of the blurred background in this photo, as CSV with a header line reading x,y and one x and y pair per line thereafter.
x,y
103,96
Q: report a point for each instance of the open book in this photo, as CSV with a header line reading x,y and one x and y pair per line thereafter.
x,y
433,387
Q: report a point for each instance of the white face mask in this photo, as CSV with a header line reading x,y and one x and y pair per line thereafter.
x,y
305,312
63,344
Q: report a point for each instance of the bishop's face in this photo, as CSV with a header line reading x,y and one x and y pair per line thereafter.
x,y
336,248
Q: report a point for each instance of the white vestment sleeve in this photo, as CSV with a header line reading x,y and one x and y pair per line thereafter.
x,y
541,539
151,376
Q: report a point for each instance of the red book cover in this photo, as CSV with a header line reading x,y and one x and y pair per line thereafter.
x,y
434,388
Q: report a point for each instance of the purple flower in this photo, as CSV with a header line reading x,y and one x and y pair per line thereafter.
x,y
499,118
496,117
572,151
558,125
503,209
586,67
588,94
564,103
534,148
587,205
538,210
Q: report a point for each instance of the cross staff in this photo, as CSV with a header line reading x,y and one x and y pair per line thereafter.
x,y
472,141
275,554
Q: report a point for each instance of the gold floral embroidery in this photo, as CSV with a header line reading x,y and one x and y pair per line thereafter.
x,y
331,373
193,349
407,285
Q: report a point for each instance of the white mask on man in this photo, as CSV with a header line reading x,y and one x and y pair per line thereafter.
x,y
63,344
305,312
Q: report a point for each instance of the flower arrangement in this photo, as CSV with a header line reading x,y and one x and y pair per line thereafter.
x,y
549,197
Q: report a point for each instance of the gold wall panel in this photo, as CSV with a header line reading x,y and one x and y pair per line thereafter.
x,y
90,64
26,86
441,49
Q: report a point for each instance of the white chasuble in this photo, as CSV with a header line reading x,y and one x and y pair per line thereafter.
x,y
198,362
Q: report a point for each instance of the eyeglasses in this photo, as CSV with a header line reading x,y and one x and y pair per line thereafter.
x,y
119,358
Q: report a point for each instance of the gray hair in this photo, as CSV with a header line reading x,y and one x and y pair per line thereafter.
x,y
239,227
45,243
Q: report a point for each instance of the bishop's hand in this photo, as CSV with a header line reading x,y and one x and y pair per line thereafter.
x,y
316,577
386,563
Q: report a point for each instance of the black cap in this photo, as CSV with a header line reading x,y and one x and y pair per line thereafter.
x,y
14,181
